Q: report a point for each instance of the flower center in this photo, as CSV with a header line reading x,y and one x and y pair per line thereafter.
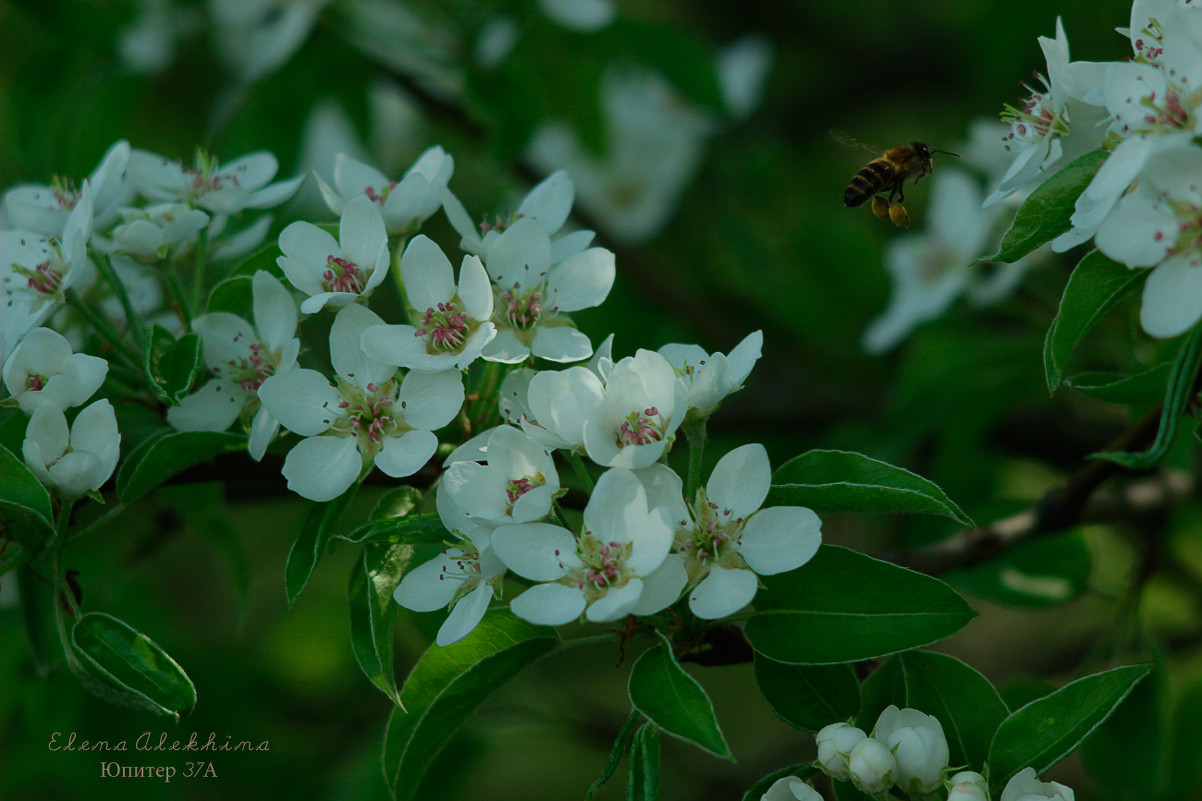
x,y
1036,120
205,178
641,428
342,276
35,382
250,371
522,309
368,415
43,279
500,222
379,196
446,326
65,193
604,564
716,534
517,487
1189,229
463,564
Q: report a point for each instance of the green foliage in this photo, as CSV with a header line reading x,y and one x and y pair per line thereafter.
x,y
372,583
1045,214
844,606
808,697
168,453
172,365
1095,287
1047,730
1179,394
23,500
644,765
124,666
316,528
447,685
838,481
1039,574
674,701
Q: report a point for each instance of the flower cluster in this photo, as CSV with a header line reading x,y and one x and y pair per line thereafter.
x,y
1142,207
908,750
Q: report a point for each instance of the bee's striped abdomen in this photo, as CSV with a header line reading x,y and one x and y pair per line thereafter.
x,y
868,181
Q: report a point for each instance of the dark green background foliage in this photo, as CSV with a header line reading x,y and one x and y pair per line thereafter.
x,y
760,240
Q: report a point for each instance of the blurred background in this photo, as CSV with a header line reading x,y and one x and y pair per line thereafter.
x,y
699,136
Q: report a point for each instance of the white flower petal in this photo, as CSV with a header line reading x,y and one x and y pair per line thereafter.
x,y
617,603
741,480
322,468
1172,299
465,616
723,592
302,400
780,538
549,604
405,455
538,551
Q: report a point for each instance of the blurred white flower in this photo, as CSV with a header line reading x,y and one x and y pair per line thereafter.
x,y
257,36
582,16
244,183
46,209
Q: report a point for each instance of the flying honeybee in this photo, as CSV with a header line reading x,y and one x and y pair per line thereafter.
x,y
888,173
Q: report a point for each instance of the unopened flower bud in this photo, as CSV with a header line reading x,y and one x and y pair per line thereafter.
x,y
834,744
919,745
872,767
791,788
967,785
1025,787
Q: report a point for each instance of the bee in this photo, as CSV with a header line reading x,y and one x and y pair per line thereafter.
x,y
889,172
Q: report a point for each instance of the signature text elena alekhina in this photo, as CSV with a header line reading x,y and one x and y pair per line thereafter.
x,y
147,741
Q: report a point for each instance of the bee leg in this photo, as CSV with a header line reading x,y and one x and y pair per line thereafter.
x,y
898,215
880,207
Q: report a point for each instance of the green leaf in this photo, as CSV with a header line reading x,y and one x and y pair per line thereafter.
x,y
1045,214
1177,397
316,526
964,702
1126,754
372,582
808,697
167,453
843,606
673,700
885,687
171,365
1144,387
448,684
124,666
1047,730
412,529
841,481
234,295
801,770
621,745
1096,285
21,493
1038,574
644,765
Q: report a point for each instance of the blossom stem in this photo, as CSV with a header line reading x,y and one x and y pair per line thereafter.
x,y
65,599
581,470
580,642
103,328
177,294
397,279
198,273
559,515
695,433
105,266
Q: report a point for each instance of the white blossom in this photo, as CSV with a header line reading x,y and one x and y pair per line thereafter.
x,y
42,370
74,459
1024,786
918,744
404,204
515,485
835,743
244,183
710,378
636,421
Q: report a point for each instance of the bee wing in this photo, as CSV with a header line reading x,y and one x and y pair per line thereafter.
x,y
849,141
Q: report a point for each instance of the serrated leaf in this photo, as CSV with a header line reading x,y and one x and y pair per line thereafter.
x,y
644,765
808,697
168,453
965,702
1177,397
122,665
1046,212
844,606
316,526
1144,387
757,790
673,700
376,574
1048,729
20,491
1095,286
842,481
171,365
448,684
412,529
